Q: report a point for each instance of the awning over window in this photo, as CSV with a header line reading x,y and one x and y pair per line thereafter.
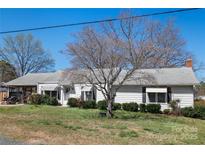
x,y
49,87
86,88
156,90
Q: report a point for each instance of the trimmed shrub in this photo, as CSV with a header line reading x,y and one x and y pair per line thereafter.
x,y
89,105
102,105
153,108
167,111
53,101
142,108
201,111
197,112
117,106
35,99
42,100
174,104
73,102
190,112
45,99
133,107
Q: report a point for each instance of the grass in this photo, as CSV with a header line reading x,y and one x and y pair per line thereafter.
x,y
58,125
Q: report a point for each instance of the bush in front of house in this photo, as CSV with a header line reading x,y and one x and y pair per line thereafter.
x,y
52,101
190,112
132,106
201,111
142,107
153,108
176,110
167,111
89,104
196,112
102,105
73,102
116,106
35,99
38,99
45,99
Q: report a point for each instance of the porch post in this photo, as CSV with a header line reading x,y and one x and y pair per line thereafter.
x,y
62,95
8,90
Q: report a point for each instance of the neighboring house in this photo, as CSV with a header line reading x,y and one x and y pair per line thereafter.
x,y
165,84
200,92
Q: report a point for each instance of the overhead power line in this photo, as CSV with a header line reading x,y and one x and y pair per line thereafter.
x,y
97,21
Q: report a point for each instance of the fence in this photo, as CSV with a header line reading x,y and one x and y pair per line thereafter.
x,y
2,96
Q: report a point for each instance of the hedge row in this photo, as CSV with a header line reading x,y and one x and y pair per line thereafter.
x,y
196,112
73,102
38,99
102,105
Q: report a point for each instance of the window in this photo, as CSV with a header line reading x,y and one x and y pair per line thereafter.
x,y
88,95
152,97
161,97
52,94
47,93
157,97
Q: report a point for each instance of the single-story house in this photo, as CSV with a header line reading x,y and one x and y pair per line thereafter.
x,y
168,84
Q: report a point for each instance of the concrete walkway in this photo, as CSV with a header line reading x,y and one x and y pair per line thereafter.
x,y
6,141
10,105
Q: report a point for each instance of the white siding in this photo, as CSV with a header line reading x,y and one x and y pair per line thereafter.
x,y
125,94
99,96
129,94
76,92
134,94
185,94
164,106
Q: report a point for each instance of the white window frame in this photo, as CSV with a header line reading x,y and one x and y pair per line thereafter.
x,y
85,96
156,91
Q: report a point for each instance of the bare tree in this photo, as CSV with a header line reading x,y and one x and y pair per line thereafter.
x,y
26,54
108,55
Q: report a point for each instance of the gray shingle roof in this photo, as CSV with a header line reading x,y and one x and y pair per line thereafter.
x,y
164,76
35,78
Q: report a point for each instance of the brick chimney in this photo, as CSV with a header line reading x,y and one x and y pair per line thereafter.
x,y
188,63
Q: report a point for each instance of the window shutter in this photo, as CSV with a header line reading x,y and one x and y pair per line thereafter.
x,y
82,95
144,94
169,94
94,97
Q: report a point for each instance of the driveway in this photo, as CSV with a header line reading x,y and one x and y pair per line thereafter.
x,y
6,141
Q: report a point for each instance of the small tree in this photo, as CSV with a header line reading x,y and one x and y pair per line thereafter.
x,y
109,55
25,54
174,104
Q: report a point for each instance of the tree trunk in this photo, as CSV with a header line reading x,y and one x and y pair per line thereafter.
x,y
109,108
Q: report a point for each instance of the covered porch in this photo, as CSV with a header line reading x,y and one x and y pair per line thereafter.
x,y
20,93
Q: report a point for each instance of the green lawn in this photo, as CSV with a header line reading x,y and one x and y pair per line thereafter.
x,y
58,125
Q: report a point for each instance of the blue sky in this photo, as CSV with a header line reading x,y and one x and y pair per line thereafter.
x,y
191,25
